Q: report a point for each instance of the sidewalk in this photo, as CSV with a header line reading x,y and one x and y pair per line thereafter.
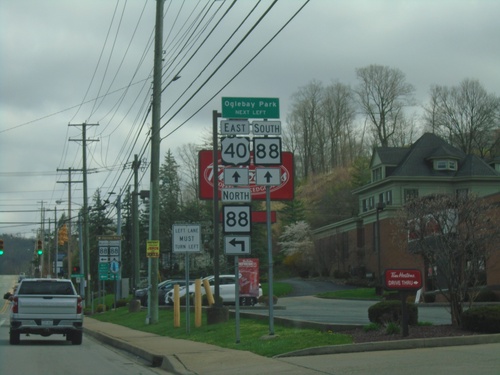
x,y
186,357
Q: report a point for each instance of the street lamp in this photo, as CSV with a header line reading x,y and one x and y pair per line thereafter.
x,y
380,207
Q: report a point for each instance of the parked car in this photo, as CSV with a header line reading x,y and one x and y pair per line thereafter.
x,y
163,288
227,290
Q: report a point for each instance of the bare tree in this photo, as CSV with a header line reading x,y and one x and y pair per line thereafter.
x,y
466,115
455,234
189,172
339,112
383,93
320,128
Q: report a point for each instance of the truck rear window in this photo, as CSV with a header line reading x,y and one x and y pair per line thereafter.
x,y
46,288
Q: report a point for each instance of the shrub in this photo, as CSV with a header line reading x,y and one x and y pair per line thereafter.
x,y
101,308
486,295
482,319
392,328
391,311
120,303
429,297
371,327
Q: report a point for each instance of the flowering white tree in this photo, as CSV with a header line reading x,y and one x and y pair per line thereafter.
x,y
297,246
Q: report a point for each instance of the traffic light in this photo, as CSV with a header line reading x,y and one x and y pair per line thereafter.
x,y
39,247
63,235
76,269
1,247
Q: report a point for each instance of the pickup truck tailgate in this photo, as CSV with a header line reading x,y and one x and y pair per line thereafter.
x,y
47,305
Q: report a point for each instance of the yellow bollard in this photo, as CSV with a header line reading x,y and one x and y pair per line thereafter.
x,y
208,292
197,303
177,307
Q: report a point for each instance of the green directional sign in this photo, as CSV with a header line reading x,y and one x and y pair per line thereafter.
x,y
260,108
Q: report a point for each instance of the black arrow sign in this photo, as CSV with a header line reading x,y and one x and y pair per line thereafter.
x,y
234,242
268,177
236,176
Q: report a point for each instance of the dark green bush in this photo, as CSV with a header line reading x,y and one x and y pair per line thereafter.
x,y
486,295
482,319
430,297
391,311
120,303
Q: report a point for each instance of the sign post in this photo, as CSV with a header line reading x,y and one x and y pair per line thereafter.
x,y
404,281
186,238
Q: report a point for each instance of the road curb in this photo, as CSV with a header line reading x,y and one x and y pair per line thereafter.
x,y
395,345
168,363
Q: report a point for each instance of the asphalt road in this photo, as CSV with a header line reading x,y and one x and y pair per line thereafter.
x,y
302,305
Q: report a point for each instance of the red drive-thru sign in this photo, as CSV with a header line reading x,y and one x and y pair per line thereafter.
x,y
284,191
249,277
403,279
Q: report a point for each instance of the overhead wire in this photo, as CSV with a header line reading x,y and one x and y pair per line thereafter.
x,y
239,72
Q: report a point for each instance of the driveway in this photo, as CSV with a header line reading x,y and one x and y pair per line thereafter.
x,y
302,305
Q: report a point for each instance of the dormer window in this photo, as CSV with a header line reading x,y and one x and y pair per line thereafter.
x,y
376,174
445,165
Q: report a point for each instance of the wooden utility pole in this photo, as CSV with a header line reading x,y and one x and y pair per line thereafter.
x,y
155,159
84,141
69,182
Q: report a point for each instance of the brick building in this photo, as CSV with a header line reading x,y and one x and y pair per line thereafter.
x,y
429,166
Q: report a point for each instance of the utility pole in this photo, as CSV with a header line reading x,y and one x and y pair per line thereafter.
x,y
155,158
69,182
135,221
86,206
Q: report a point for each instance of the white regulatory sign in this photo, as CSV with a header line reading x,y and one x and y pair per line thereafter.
x,y
237,219
267,151
266,127
186,238
236,245
236,195
236,176
235,150
268,176
234,127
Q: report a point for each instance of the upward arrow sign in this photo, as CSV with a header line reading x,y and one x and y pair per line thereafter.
x,y
268,177
236,177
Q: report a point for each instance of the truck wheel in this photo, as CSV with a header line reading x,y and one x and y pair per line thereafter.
x,y
14,338
76,338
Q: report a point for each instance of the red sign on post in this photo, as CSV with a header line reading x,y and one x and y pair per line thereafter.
x,y
249,280
403,279
284,191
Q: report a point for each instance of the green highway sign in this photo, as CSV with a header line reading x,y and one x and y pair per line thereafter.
x,y
261,108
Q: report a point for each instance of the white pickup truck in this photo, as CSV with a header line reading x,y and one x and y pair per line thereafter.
x,y
45,307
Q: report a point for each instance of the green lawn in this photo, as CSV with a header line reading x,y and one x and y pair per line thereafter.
x,y
359,293
252,332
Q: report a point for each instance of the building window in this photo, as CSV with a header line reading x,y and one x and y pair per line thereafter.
x,y
445,165
377,174
388,197
410,194
462,193
371,203
365,207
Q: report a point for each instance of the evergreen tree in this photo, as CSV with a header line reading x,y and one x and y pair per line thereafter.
x,y
170,193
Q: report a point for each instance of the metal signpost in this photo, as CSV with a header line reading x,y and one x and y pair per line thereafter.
x,y
235,151
186,238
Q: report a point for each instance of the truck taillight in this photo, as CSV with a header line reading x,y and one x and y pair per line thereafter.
x,y
79,305
15,306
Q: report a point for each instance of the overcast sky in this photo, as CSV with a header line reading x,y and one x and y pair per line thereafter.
x,y
69,62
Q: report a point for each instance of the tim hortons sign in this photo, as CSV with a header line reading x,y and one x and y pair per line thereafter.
x,y
281,192
403,279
